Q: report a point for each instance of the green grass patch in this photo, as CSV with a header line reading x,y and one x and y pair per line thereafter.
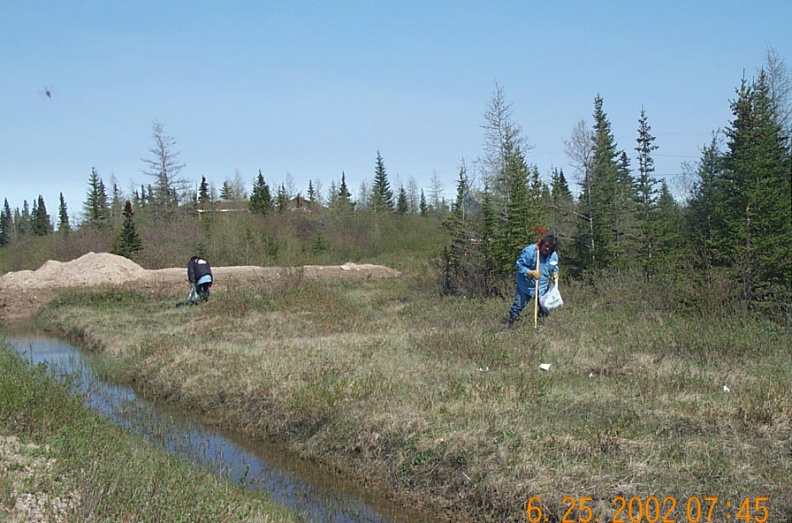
x,y
59,461
440,401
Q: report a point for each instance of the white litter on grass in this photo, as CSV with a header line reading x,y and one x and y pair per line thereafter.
x,y
591,374
726,389
483,369
544,366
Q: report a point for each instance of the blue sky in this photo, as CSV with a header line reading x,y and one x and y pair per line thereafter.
x,y
314,88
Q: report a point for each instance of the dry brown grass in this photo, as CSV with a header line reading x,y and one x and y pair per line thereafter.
x,y
437,400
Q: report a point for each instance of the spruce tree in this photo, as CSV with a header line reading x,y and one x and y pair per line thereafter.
x,y
311,193
755,193
604,188
646,189
488,226
24,222
624,215
128,241
225,191
423,208
704,217
666,232
381,193
203,191
282,199
63,217
40,222
401,202
465,270
260,197
344,200
522,213
95,206
561,218
6,224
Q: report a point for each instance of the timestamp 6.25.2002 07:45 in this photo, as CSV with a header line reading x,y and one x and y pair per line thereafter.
x,y
653,509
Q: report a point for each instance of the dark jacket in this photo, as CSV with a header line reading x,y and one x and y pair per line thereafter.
x,y
197,269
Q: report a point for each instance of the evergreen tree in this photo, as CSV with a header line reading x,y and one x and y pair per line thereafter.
x,y
666,231
95,206
128,241
282,199
203,191
311,193
25,223
423,209
645,188
401,203
703,217
561,218
6,224
63,217
624,215
464,268
523,213
381,193
344,197
225,191
260,198
233,189
604,187
755,191
39,218
488,231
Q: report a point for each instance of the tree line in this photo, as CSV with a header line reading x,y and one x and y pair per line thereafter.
x,y
735,223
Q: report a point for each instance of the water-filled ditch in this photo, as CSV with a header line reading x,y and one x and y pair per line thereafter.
x,y
301,486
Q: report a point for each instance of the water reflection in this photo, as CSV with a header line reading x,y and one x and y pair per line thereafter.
x,y
296,485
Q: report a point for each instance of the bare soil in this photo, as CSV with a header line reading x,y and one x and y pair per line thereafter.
x,y
24,293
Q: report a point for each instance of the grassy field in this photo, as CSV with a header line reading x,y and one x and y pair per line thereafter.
x,y
439,402
59,461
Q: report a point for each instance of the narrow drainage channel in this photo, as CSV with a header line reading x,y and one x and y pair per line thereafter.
x,y
299,485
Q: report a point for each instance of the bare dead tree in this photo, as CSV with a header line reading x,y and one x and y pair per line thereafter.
x,y
580,151
163,166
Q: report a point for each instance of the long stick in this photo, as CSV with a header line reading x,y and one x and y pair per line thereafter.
x,y
536,294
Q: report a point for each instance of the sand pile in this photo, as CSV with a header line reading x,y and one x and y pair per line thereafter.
x,y
22,293
87,270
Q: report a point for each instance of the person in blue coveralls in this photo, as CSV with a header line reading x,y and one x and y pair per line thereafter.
x,y
200,275
527,274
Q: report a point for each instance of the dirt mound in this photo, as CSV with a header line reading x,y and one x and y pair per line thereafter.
x,y
87,270
23,293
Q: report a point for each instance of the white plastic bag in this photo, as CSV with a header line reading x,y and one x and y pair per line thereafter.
x,y
551,299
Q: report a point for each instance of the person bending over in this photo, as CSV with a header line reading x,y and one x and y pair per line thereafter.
x,y
527,274
200,275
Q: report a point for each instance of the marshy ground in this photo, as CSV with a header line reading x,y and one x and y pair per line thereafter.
x,y
434,400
